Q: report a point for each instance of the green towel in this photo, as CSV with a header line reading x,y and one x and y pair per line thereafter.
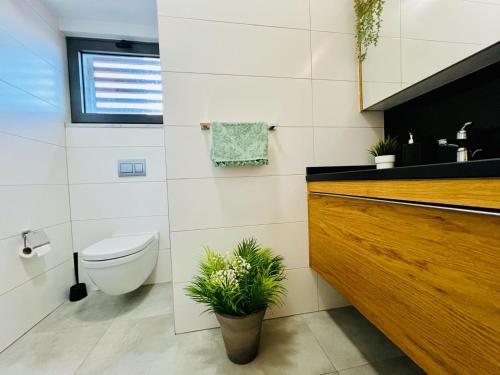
x,y
239,144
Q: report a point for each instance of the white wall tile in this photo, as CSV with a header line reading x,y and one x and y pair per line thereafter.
x,y
334,56
336,105
45,13
421,58
189,315
113,137
289,240
90,165
335,16
88,232
374,92
226,202
23,307
290,152
328,297
338,16
214,47
31,30
27,116
22,68
496,2
15,270
383,61
391,20
345,146
284,13
27,162
147,31
195,98
32,207
451,20
163,270
105,201
302,295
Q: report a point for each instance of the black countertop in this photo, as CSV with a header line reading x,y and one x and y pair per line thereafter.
x,y
472,169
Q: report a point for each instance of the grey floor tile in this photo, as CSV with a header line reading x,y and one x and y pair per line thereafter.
x,y
147,301
394,366
131,346
52,353
349,339
133,334
287,347
96,308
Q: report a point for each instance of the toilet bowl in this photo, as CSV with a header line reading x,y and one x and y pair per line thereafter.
x,y
121,264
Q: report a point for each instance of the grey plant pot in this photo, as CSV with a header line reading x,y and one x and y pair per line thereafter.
x,y
241,335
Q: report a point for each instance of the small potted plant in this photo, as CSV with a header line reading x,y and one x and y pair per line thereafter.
x,y
384,152
238,288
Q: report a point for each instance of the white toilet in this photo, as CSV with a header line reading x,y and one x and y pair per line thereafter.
x,y
121,264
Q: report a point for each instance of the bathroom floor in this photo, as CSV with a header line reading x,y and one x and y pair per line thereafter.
x,y
134,334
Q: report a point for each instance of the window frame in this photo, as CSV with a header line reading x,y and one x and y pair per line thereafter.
x,y
76,46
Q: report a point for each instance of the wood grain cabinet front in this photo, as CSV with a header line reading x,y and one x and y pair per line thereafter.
x,y
427,277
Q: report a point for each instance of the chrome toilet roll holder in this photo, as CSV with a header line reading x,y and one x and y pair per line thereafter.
x,y
33,240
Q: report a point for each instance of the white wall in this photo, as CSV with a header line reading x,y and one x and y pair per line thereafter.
x,y
115,19
33,182
421,37
102,204
286,61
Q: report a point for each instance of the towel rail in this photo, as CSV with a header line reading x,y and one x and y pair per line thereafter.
x,y
208,125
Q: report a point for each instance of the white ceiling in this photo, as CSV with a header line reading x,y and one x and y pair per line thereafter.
x,y
115,18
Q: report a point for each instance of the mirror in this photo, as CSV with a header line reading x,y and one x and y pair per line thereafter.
x,y
419,38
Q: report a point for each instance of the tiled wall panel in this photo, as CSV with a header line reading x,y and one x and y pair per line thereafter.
x,y
103,204
222,62
33,182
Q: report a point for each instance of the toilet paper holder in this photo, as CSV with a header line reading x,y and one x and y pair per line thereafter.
x,y
33,240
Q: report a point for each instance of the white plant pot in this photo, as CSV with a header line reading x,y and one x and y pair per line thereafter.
x,y
385,161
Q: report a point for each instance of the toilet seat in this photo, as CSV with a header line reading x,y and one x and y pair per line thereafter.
x,y
95,264
117,247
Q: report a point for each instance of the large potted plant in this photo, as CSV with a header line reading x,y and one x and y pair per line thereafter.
x,y
384,152
238,288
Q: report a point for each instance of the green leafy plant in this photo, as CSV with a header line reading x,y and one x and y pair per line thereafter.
x,y
245,281
387,146
368,23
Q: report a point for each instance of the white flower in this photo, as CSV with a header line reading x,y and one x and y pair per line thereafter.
x,y
240,265
235,268
224,278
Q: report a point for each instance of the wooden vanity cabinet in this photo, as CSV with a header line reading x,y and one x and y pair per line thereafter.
x,y
428,277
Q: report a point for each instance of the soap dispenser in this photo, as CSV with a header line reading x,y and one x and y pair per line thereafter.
x,y
412,153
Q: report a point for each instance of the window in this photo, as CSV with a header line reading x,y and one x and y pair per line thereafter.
x,y
114,81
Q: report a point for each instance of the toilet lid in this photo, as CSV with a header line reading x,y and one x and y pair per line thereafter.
x,y
117,247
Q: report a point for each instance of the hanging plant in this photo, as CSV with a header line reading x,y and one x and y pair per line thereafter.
x,y
368,23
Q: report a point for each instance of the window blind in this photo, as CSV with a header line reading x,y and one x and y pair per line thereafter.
x,y
120,84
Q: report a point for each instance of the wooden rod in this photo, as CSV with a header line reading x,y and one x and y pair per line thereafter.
x,y
360,85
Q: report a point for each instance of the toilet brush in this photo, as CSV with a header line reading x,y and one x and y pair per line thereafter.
x,y
79,290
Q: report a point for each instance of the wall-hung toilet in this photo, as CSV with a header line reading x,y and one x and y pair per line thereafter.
x,y
121,264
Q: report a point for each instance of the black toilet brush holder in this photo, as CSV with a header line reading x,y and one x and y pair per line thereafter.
x,y
79,290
